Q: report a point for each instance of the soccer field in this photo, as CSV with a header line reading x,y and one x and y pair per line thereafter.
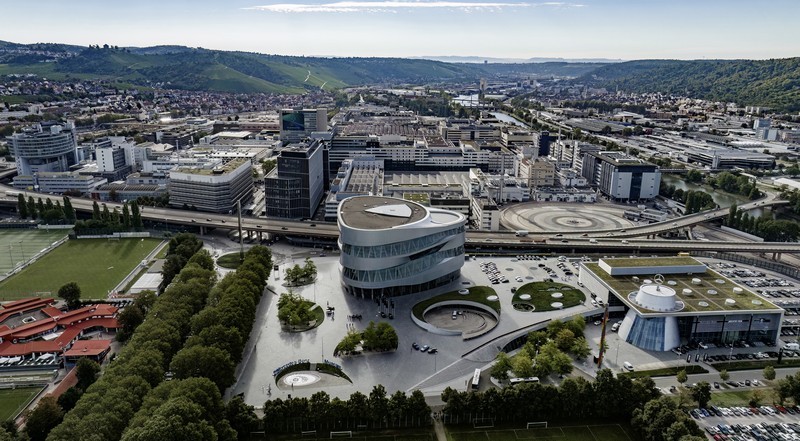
x,y
97,265
610,432
18,245
11,400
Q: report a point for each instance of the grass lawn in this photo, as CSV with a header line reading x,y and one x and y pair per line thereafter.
x,y
476,294
230,260
608,432
396,435
744,365
542,295
17,245
12,400
736,397
97,265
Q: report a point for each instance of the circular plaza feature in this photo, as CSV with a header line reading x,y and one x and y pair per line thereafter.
x,y
557,305
557,295
564,217
453,313
300,379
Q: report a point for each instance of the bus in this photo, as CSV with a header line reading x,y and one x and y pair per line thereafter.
x,y
514,381
521,233
476,379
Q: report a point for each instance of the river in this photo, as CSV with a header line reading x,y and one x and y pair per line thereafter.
x,y
506,118
721,198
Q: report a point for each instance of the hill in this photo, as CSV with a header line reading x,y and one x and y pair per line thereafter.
x,y
771,83
187,68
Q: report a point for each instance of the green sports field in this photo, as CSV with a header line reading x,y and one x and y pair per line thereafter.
x,y
610,432
12,400
17,245
97,265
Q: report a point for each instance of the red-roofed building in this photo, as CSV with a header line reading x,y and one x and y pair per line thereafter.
x,y
57,333
23,306
94,349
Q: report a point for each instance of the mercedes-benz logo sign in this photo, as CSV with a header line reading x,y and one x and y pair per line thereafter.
x,y
659,279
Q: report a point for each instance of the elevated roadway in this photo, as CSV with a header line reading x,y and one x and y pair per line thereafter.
x,y
489,241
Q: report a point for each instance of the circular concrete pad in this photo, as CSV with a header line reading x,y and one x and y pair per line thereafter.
x,y
565,217
470,320
300,379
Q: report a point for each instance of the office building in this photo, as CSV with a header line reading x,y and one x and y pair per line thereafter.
x,y
213,186
294,188
391,247
621,177
299,124
60,183
44,148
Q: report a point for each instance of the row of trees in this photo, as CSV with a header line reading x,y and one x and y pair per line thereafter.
x,y
107,406
608,397
376,337
694,201
204,367
105,221
321,412
46,211
545,352
294,310
734,183
297,275
764,226
181,248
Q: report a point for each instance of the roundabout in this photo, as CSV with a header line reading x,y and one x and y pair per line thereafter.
x,y
540,217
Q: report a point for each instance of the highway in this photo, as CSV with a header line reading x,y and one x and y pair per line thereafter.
x,y
475,240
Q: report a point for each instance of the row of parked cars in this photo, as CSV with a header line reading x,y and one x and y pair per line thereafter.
x,y
743,411
755,432
424,348
494,275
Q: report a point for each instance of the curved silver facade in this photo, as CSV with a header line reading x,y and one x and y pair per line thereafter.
x,y
45,149
392,247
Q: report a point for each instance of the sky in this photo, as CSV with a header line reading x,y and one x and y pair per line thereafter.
x,y
616,29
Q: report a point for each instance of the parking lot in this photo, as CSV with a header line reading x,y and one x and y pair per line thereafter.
x,y
739,423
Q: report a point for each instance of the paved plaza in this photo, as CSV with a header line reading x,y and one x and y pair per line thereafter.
x,y
407,369
404,369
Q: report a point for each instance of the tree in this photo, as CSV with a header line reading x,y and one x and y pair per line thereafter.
x,y
724,375
769,373
69,212
69,398
96,211
242,417
501,367
86,371
126,216
47,415
755,398
681,376
22,206
32,213
660,420
136,216
580,348
71,293
203,361
378,403
702,393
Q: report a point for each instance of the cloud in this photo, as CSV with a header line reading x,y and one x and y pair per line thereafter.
x,y
397,5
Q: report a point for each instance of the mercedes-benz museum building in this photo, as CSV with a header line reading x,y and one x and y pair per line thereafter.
x,y
391,247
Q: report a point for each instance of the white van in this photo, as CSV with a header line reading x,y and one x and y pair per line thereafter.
x,y
627,366
615,326
791,347
592,240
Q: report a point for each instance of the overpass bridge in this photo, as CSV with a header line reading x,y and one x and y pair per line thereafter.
x,y
476,240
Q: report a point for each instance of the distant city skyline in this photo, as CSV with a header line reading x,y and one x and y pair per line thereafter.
x,y
614,29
